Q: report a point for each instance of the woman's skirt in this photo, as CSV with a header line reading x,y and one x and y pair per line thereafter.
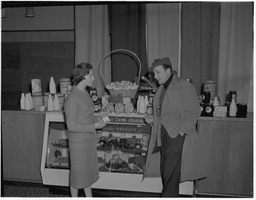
x,y
84,169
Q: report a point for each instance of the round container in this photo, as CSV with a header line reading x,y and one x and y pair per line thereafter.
x,y
38,101
61,100
64,83
46,96
211,87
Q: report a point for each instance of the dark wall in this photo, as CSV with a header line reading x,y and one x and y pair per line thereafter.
x,y
23,61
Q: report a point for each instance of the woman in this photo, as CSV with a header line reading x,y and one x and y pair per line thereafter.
x,y
79,112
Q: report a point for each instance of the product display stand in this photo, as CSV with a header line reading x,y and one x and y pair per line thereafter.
x,y
58,174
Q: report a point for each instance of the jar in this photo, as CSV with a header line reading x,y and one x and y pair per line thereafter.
x,y
230,95
38,101
210,86
64,83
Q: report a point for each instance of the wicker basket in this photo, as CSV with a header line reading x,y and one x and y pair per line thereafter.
x,y
123,93
120,92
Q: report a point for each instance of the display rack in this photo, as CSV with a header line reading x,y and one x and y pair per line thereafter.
x,y
126,176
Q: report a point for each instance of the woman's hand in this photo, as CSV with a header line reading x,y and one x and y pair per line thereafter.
x,y
100,124
149,119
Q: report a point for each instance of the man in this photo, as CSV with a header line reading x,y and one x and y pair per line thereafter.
x,y
176,110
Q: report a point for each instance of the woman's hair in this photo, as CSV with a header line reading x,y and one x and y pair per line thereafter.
x,y
80,71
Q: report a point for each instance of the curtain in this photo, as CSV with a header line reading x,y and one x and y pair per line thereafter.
x,y
236,51
92,40
127,29
200,42
163,32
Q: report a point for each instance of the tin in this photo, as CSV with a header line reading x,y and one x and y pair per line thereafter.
x,y
207,110
241,110
64,83
38,101
210,86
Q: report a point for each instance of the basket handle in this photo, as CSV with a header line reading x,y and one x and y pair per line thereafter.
x,y
114,51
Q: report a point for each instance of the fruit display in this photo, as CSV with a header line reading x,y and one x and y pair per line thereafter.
x,y
119,107
129,108
109,107
123,85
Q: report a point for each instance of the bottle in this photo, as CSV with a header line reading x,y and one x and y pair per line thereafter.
x,y
50,103
27,102
142,105
56,103
216,101
233,107
31,101
22,101
138,104
52,86
146,102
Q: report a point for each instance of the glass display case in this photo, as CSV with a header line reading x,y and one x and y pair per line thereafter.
x,y
122,149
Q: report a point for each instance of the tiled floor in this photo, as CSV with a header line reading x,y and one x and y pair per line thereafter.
x,y
20,189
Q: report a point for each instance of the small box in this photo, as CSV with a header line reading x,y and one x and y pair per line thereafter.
x,y
126,100
220,114
36,86
221,108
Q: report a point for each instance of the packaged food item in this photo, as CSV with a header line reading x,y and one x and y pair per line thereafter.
x,y
38,101
64,83
36,86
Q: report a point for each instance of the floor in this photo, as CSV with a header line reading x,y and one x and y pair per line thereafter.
x,y
22,189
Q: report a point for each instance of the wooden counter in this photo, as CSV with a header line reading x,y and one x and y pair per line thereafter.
x,y
228,143
22,142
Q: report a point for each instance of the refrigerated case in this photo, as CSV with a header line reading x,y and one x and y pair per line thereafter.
x,y
121,149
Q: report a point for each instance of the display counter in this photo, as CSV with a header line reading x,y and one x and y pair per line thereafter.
x,y
121,149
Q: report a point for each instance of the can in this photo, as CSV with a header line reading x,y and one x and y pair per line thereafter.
x,y
64,83
38,101
211,87
61,100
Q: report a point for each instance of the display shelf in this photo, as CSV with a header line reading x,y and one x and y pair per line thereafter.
x,y
121,150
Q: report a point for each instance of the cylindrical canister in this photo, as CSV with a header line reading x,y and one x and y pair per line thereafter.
x,y
38,101
211,87
61,100
64,83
